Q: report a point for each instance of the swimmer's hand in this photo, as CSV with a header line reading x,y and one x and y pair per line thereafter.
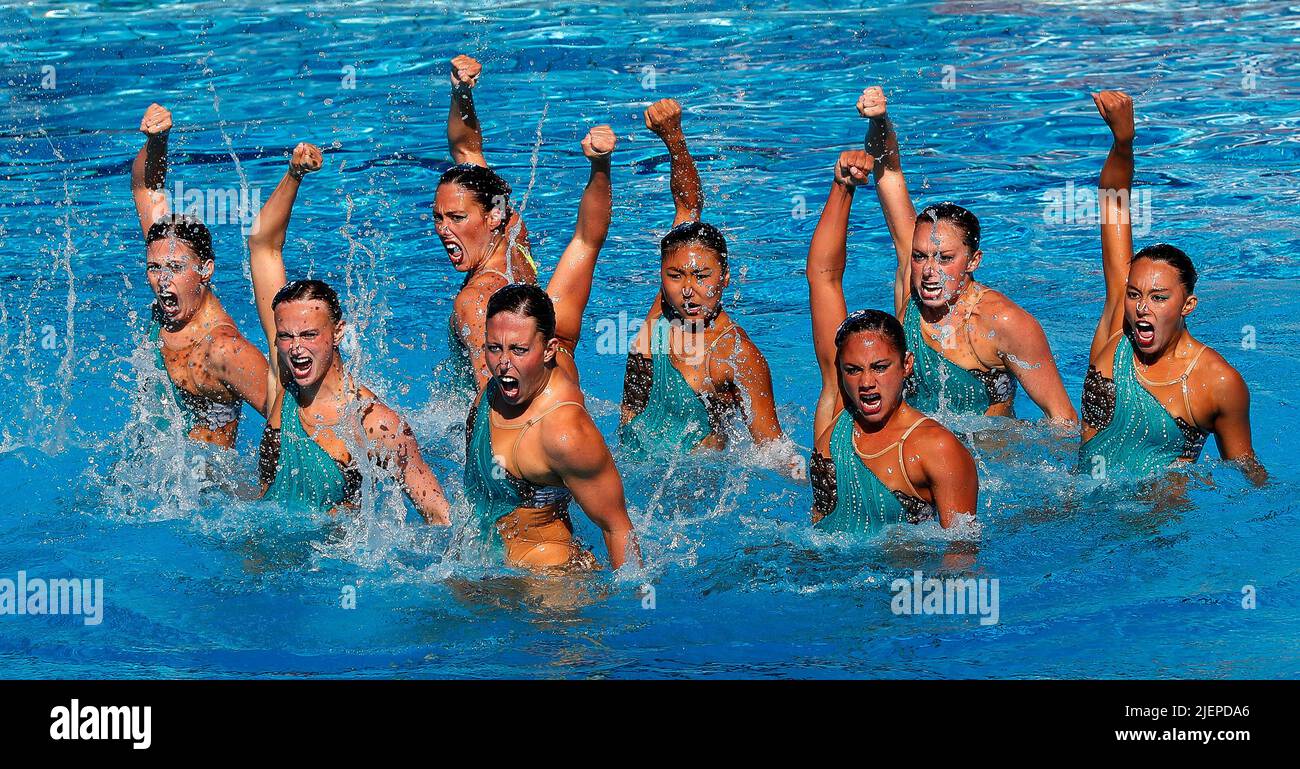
x,y
465,71
157,121
871,104
598,143
1116,109
664,117
306,159
853,169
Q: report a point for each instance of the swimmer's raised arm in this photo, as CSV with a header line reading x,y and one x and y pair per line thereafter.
x,y
386,428
149,169
576,452
266,245
891,187
825,272
464,136
570,284
664,117
1116,230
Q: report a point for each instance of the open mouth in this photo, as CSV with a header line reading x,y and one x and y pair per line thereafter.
x,y
454,252
1144,333
931,289
509,386
299,366
169,304
691,308
871,403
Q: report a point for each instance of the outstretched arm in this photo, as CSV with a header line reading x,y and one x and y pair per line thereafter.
x,y
891,188
1116,230
1232,425
577,453
149,169
664,117
385,428
464,137
266,247
825,270
570,284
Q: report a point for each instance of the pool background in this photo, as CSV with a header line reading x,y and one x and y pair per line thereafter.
x,y
199,585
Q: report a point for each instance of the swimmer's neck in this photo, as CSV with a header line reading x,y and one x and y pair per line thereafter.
x,y
1168,353
934,315
892,421
209,313
329,389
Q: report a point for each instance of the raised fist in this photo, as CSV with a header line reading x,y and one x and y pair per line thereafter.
x,y
853,168
598,143
1116,109
306,158
664,117
871,103
465,71
157,121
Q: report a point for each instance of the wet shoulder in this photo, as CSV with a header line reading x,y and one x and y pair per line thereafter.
x,y
1214,373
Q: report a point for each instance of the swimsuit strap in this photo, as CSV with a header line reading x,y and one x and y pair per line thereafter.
x,y
901,466
514,448
709,350
1187,400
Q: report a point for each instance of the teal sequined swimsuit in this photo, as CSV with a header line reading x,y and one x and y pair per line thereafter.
x,y
297,471
671,417
937,381
849,496
1136,436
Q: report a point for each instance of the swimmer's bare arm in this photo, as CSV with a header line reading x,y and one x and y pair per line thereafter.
x,y
950,475
242,368
1116,230
386,429
570,284
266,247
754,378
1024,348
1232,423
664,117
470,307
464,136
825,272
891,187
576,452
149,169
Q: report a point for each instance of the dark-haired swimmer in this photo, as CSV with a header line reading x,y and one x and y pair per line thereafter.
x,y
971,343
691,366
212,368
1153,393
319,416
876,460
531,446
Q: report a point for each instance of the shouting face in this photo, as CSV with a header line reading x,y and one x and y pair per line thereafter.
x,y
518,356
306,338
942,263
872,372
1155,304
467,229
179,280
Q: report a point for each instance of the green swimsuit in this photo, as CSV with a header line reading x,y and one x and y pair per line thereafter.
x,y
937,381
297,471
849,495
675,418
1136,436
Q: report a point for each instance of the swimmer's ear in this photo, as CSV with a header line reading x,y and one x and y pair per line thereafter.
x,y
908,362
974,262
497,215
1189,305
338,332
205,269
552,349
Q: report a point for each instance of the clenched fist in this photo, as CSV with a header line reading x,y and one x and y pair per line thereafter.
x,y
157,121
871,104
853,168
664,117
1116,109
306,158
465,71
599,142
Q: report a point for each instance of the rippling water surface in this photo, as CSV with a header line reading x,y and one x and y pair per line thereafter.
x,y
196,584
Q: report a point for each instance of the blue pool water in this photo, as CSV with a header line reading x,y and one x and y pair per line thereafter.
x,y
197,584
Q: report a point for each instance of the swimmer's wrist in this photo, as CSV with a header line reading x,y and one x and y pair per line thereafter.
x,y
296,173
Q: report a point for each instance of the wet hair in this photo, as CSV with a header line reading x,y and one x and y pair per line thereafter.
x,y
1174,257
959,217
874,321
695,232
527,300
488,188
188,229
307,290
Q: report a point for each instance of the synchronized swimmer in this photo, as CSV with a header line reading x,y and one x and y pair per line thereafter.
x,y
880,456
